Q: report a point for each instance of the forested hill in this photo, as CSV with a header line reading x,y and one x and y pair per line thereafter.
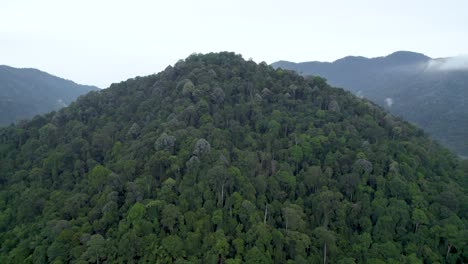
x,y
25,93
222,160
429,92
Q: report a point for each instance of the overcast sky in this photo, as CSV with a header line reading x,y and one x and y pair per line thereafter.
x,y
103,41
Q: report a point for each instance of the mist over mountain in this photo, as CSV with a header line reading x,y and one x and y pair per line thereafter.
x,y
25,93
429,92
218,159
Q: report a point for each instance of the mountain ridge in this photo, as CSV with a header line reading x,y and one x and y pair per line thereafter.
x,y
26,92
423,90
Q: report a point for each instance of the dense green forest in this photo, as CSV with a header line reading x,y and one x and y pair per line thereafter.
x,y
222,160
429,92
25,93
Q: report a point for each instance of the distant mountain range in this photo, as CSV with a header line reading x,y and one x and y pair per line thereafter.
x,y
25,93
433,93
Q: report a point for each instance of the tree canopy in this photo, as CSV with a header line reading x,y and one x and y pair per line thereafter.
x,y
221,160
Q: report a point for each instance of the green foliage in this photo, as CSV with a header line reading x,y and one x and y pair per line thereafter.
x,y
98,177
221,160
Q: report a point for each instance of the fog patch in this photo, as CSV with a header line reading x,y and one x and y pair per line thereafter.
x,y
359,94
389,101
449,64
61,103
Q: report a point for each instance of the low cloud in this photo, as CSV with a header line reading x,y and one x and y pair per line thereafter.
x,y
389,101
360,94
449,64
61,103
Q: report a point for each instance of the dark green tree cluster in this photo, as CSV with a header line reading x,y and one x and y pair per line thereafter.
x,y
222,160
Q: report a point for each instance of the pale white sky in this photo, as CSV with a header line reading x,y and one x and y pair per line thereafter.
x,y
103,41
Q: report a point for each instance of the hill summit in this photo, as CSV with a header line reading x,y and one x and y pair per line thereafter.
x,y
221,160
26,92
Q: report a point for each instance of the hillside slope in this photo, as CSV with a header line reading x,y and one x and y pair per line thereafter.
x,y
25,93
429,92
222,160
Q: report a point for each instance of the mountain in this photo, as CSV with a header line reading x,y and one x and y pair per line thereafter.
x,y
221,160
429,92
25,93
